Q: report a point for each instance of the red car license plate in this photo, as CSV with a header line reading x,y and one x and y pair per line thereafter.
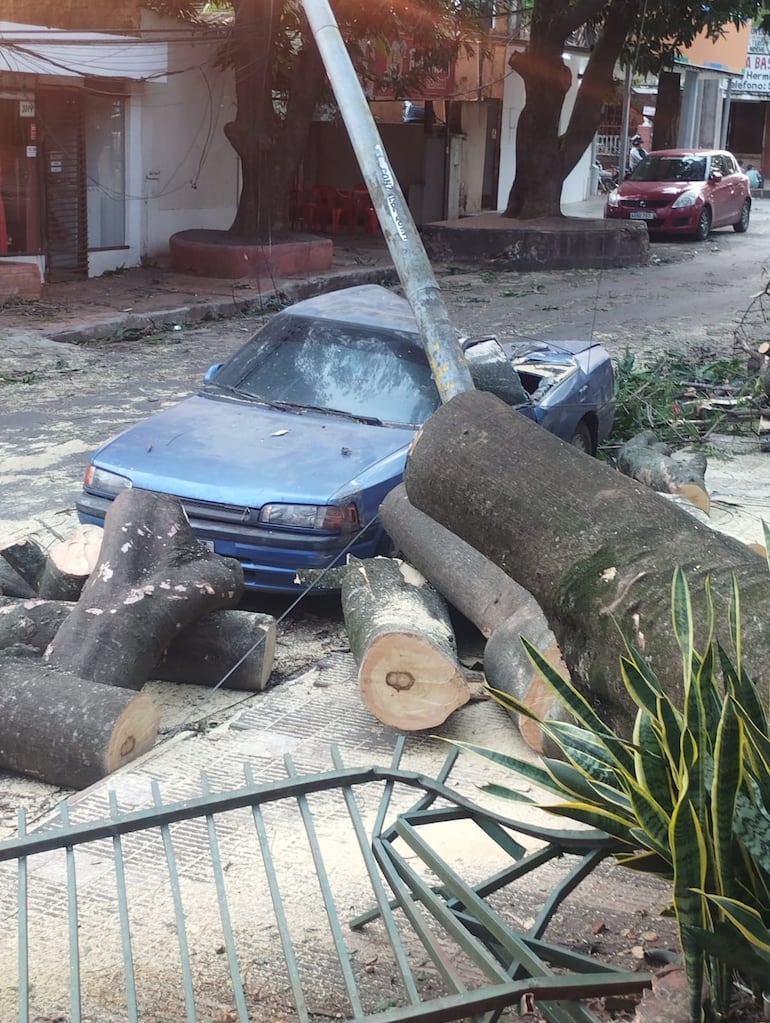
x,y
642,215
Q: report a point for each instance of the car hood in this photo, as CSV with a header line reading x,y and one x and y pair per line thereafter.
x,y
230,452
658,190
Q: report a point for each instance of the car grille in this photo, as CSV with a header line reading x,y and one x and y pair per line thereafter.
x,y
235,513
643,204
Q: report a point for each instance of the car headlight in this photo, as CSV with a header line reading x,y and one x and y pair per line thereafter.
x,y
613,199
332,517
105,482
685,200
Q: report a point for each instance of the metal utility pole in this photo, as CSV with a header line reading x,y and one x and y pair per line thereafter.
x,y
445,355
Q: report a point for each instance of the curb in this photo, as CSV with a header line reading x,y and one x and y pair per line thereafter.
x,y
285,293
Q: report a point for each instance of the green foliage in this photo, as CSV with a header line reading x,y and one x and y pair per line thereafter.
x,y
687,797
682,398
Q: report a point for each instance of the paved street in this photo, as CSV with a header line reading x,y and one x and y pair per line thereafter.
x,y
691,296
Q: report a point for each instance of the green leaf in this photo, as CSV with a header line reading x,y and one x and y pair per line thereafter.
x,y
742,687
689,859
681,612
604,820
745,918
646,861
577,705
527,770
669,723
734,618
727,944
638,684
724,787
505,793
652,767
653,820
575,782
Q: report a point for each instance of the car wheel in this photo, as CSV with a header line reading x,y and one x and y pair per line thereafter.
x,y
704,225
742,225
582,439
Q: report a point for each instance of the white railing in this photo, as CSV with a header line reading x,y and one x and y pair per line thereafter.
x,y
608,144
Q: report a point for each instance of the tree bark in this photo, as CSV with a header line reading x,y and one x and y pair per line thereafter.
x,y
594,548
69,564
153,579
237,646
11,583
499,607
403,643
28,559
545,154
68,731
270,147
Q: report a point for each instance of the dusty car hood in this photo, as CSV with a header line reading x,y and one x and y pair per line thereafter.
x,y
234,453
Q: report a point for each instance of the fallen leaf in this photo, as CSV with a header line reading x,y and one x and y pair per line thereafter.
x,y
759,548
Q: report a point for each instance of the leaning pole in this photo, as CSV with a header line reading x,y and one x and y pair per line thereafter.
x,y
442,347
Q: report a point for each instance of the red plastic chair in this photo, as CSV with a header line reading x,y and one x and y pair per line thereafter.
x,y
318,211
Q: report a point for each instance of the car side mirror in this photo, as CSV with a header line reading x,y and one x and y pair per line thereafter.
x,y
715,176
211,372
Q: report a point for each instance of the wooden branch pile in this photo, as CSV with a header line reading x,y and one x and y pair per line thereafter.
x,y
151,603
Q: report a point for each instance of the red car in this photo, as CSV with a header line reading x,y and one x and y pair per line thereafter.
x,y
684,191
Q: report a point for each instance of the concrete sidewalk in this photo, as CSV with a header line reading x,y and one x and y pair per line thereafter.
x,y
155,297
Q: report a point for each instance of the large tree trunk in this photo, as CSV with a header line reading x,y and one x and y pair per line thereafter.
x,y
403,643
594,548
270,147
544,154
66,730
153,579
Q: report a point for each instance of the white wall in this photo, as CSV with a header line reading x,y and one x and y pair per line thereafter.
x,y
188,173
577,185
474,127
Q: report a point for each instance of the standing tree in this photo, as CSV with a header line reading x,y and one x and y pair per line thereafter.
x,y
639,31
280,81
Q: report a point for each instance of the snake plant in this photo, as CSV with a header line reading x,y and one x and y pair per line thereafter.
x,y
687,797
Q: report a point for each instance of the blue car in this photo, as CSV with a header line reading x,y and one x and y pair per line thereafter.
x,y
283,457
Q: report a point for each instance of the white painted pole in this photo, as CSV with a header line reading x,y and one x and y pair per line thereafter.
x,y
447,361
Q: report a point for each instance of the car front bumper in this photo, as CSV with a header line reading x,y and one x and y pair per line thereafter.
x,y
271,560
663,219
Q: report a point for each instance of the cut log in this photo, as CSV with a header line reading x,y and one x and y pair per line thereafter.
x,y
32,622
237,646
595,548
233,647
11,583
28,559
654,463
497,605
153,579
68,731
403,643
69,564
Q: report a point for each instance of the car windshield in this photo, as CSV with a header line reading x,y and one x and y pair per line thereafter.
x,y
362,371
671,168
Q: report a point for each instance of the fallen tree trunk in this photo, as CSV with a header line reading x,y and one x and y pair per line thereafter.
x,y
497,605
237,646
654,463
69,563
403,643
595,548
153,579
66,730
